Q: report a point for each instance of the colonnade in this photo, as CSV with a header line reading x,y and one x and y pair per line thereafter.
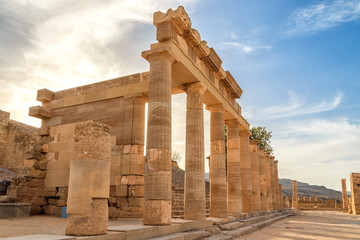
x,y
243,181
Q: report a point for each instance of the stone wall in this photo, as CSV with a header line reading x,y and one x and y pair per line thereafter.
x,y
16,142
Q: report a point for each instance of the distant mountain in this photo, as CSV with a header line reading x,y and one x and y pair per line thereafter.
x,y
305,189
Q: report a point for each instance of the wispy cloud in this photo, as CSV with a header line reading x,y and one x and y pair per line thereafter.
x,y
244,48
244,44
322,16
297,106
308,147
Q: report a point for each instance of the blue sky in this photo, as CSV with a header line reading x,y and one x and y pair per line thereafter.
x,y
298,63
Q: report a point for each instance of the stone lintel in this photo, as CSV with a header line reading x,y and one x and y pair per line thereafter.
x,y
39,112
216,108
212,60
45,95
202,50
232,85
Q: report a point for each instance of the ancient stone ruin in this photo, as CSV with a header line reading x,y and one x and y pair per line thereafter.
x,y
88,155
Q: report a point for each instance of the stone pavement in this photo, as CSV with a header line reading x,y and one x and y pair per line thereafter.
x,y
311,225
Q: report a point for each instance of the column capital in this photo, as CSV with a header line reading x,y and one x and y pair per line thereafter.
x,y
254,142
194,87
294,181
216,108
158,54
272,158
244,132
276,161
232,122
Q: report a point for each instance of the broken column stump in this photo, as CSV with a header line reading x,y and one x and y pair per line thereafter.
x,y
89,180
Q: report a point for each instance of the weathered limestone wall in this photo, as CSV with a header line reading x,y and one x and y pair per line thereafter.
x,y
16,141
355,192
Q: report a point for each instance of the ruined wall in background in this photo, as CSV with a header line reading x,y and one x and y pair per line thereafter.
x,y
16,141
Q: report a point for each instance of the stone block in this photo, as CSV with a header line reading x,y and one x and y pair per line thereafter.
x,y
44,95
11,210
122,190
39,112
136,191
50,191
132,180
157,212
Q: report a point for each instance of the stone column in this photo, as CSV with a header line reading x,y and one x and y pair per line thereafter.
x,y
344,194
278,200
195,202
218,185
262,175
355,192
273,185
256,198
130,188
281,198
89,181
295,201
269,202
245,165
233,168
157,177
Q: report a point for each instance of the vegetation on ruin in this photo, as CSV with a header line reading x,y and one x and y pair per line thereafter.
x,y
263,136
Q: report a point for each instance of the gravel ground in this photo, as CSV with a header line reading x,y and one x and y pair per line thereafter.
x,y
319,225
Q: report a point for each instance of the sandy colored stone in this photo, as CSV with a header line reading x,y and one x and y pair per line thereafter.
x,y
295,200
262,176
218,185
355,192
157,212
269,199
194,202
344,194
95,223
255,176
246,176
233,168
89,181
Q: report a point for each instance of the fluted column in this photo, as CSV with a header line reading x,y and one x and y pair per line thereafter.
x,y
245,165
282,203
277,190
269,200
256,199
157,177
295,200
273,187
233,167
262,175
344,194
195,202
218,185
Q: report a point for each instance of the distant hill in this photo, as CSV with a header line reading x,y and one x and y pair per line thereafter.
x,y
304,189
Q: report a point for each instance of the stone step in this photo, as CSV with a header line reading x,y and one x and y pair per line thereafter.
x,y
255,226
193,235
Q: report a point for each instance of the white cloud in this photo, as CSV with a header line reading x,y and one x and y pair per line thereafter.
x,y
297,106
61,44
322,16
319,151
244,48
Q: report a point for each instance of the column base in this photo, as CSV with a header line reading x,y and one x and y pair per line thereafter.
x,y
157,212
